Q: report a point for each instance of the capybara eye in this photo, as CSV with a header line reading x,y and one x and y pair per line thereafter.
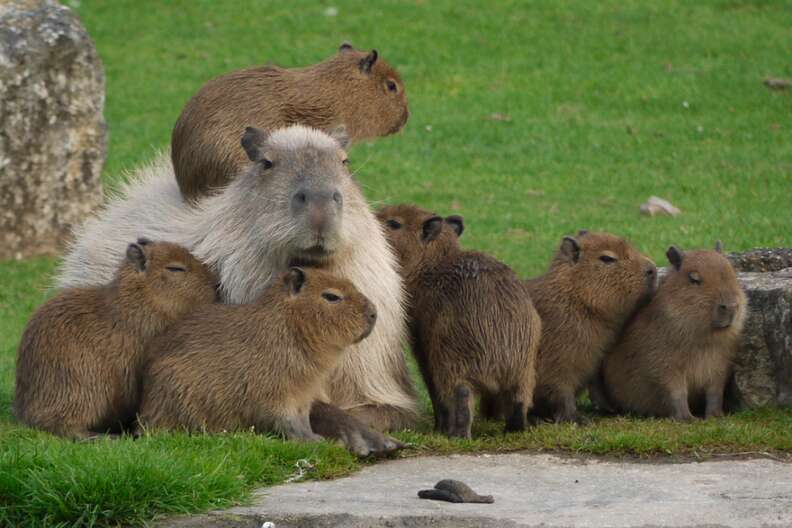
x,y
393,224
176,268
301,197
337,197
607,259
265,163
392,87
694,277
331,297
345,161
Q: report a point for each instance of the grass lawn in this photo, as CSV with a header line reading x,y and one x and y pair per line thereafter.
x,y
597,106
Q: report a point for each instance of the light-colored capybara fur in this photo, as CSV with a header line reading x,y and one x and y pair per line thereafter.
x,y
353,88
596,281
254,230
473,326
79,361
676,354
261,365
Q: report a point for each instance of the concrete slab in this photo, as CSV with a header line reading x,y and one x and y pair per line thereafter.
x,y
530,491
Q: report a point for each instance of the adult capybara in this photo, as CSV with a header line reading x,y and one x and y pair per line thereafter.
x,y
80,357
353,88
472,325
295,204
596,281
676,354
261,365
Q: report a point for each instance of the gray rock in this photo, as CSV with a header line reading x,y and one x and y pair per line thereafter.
x,y
52,133
763,368
762,259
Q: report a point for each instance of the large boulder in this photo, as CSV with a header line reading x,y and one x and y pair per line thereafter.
x,y
763,368
52,133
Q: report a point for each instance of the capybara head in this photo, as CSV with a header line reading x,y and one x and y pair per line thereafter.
x,y
170,279
419,236
380,100
297,189
326,309
606,273
703,287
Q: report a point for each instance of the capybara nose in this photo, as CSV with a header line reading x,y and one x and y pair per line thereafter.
x,y
371,319
724,315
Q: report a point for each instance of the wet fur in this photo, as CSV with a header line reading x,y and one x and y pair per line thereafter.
x,y
472,325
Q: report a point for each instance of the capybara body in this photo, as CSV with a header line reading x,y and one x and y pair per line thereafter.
x,y
472,324
676,354
352,88
80,357
296,204
261,365
596,281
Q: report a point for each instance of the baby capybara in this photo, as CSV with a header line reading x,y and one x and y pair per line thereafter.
x,y
595,283
355,89
77,371
260,365
473,326
676,354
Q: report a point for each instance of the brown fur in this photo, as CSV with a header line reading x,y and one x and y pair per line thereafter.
x,y
676,354
584,303
260,365
81,353
472,324
346,89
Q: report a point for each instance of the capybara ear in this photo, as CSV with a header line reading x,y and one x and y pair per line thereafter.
x,y
143,241
718,246
570,249
341,135
253,141
345,46
367,62
432,228
675,256
136,256
583,232
295,279
457,223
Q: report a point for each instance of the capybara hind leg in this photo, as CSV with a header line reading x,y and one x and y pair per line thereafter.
x,y
520,402
680,408
385,417
298,427
442,416
462,413
714,408
331,422
491,406
599,396
566,408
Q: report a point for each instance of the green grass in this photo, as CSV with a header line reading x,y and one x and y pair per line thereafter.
x,y
608,103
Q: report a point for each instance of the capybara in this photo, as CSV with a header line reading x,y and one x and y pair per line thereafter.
x,y
235,367
596,281
352,88
295,204
79,361
473,326
676,354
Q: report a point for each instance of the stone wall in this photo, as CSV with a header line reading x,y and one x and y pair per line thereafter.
x,y
52,133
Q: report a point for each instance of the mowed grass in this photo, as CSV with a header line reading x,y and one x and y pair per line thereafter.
x,y
530,120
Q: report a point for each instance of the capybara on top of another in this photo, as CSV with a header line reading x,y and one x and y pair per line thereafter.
x,y
676,354
79,359
473,326
596,281
355,89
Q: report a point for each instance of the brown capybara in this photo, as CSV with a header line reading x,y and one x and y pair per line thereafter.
x,y
472,325
675,354
79,361
353,88
596,281
260,365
